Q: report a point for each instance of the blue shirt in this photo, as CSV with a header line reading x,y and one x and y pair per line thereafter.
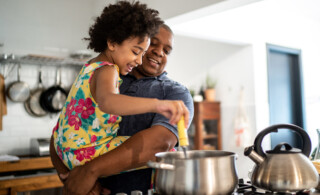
x,y
160,87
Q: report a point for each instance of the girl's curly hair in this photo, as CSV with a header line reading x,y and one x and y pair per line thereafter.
x,y
120,21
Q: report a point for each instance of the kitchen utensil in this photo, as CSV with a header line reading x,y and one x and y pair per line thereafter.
x,y
40,146
242,135
18,91
33,103
182,133
53,99
315,155
183,137
202,172
1,98
27,108
3,95
283,169
316,158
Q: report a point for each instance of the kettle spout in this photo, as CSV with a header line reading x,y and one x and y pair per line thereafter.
x,y
249,151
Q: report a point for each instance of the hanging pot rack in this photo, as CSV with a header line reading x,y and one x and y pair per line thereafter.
x,y
39,60
34,59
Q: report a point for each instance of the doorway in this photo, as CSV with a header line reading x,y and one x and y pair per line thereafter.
x,y
285,92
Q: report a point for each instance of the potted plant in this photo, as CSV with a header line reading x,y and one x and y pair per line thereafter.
x,y
210,92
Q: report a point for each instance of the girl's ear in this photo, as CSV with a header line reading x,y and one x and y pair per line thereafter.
x,y
111,45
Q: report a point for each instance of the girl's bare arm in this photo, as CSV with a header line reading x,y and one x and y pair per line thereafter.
x,y
103,88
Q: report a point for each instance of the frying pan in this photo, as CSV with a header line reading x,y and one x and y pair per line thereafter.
x,y
53,99
27,108
18,91
32,105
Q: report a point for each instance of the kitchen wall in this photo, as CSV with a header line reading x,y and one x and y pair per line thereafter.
x,y
53,28
192,59
232,66
292,24
247,30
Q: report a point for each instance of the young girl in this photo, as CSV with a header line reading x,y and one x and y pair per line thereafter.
x,y
87,126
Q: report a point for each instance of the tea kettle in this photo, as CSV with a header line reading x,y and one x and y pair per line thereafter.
x,y
283,169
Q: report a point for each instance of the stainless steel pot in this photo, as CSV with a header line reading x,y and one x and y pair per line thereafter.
x,y
202,172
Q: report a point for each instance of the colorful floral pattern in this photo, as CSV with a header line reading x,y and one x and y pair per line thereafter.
x,y
83,131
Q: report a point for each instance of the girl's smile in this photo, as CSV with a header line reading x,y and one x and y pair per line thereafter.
x,y
128,54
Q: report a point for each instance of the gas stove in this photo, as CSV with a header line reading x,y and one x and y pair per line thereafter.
x,y
246,188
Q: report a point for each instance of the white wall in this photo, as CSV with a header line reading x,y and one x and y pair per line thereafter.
x,y
255,25
232,66
192,59
44,27
53,28
292,24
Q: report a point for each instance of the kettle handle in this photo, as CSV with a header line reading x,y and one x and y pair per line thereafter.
x,y
306,142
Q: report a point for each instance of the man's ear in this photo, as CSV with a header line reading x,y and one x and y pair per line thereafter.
x,y
111,45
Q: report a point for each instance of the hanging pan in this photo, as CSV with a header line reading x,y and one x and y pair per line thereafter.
x,y
32,105
18,91
53,99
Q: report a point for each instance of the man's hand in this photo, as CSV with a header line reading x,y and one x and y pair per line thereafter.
x,y
80,181
96,190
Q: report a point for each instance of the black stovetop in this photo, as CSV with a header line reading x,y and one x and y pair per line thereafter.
x,y
246,188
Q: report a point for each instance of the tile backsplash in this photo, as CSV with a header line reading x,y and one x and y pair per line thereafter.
x,y
18,126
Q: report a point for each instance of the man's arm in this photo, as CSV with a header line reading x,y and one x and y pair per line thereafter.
x,y
136,151
133,153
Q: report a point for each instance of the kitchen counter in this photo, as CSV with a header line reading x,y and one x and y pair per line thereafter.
x,y
27,174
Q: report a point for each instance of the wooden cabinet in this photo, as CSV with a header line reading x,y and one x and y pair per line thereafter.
x,y
207,124
43,179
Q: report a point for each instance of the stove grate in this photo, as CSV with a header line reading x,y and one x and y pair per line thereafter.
x,y
246,188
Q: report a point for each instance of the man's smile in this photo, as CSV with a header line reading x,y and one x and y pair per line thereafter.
x,y
153,62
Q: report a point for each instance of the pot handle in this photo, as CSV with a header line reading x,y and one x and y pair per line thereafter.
x,y
306,142
158,165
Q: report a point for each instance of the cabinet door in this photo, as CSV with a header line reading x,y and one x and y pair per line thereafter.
x,y
207,125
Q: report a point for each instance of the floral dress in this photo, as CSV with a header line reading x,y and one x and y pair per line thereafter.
x,y
83,132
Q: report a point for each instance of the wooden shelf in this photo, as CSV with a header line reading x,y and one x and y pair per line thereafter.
x,y
26,164
32,182
206,110
210,136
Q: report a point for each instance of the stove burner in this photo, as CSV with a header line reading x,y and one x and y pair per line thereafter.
x,y
248,189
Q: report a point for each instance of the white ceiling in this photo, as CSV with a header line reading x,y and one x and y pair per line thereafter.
x,y
219,21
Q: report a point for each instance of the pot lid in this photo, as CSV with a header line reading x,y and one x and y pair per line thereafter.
x,y
283,148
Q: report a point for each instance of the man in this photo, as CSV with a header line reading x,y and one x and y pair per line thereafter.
x,y
151,133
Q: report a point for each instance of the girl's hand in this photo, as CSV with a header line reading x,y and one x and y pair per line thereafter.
x,y
173,110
